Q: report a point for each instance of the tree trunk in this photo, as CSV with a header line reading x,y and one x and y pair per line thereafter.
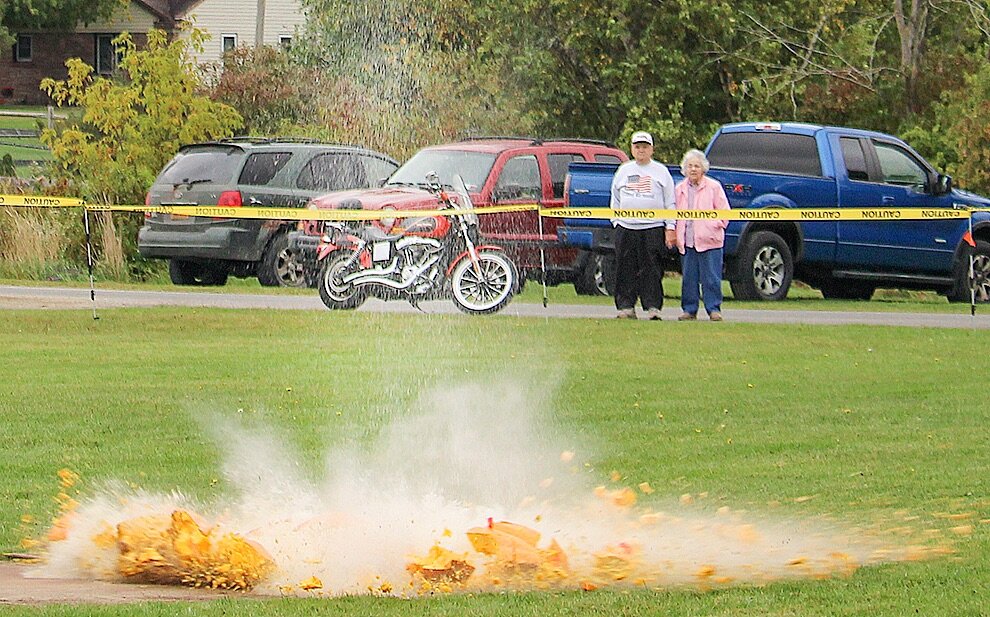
x,y
912,28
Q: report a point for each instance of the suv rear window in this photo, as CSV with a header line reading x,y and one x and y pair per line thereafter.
x,y
334,171
261,167
771,152
207,164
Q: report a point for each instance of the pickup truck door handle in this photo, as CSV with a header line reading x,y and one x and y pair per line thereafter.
x,y
887,199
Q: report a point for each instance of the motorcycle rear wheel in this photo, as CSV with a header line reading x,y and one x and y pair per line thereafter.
x,y
336,294
485,290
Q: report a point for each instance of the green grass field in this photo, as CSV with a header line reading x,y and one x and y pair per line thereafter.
x,y
867,426
23,148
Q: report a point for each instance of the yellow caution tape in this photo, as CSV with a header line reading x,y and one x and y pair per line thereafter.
x,y
765,214
305,214
38,201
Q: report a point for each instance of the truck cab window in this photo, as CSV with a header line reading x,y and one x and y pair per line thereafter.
x,y
558,170
898,167
520,179
852,154
780,153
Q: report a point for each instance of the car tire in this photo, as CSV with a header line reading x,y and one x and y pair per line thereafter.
x,y
183,272
981,275
596,275
844,289
279,267
766,268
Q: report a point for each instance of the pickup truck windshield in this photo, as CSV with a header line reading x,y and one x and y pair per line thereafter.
x,y
771,152
473,167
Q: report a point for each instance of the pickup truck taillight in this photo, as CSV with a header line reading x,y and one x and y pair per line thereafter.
x,y
230,199
567,191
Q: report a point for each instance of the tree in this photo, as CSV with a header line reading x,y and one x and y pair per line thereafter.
x,y
270,91
132,126
41,15
397,75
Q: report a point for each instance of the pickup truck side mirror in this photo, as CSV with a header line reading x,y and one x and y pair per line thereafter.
x,y
943,185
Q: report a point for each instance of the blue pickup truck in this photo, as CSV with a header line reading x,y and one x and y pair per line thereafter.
x,y
794,165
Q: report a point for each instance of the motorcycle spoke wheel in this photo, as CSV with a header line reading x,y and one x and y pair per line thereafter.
x,y
483,287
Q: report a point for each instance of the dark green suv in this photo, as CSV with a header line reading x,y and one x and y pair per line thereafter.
x,y
247,172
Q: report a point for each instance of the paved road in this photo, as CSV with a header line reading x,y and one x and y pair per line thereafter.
x,y
62,298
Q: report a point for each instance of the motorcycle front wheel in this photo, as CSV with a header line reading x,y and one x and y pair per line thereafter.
x,y
487,288
335,293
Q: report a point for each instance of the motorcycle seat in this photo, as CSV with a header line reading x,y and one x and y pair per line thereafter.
x,y
370,233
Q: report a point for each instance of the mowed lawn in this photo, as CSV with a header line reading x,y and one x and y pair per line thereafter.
x,y
865,425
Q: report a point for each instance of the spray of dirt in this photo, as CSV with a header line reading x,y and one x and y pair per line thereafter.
x,y
469,490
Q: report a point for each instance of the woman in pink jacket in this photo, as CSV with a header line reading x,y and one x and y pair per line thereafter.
x,y
700,241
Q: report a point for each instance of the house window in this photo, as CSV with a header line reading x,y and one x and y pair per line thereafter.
x,y
22,49
285,42
227,43
106,54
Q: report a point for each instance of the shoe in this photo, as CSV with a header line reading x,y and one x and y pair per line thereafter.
x,y
715,316
626,314
687,317
654,314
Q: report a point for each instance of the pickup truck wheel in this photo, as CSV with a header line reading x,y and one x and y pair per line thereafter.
x,y
182,272
279,267
596,276
840,289
766,268
981,275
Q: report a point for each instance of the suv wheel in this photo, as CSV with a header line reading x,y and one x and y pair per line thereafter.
x,y
766,268
279,267
184,272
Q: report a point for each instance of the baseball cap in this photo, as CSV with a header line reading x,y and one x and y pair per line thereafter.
x,y
642,137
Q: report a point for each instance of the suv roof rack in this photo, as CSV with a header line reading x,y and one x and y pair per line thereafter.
x,y
536,141
257,139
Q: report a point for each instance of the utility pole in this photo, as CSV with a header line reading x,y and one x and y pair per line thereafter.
x,y
259,28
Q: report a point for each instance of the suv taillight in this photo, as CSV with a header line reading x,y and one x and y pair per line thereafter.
x,y
230,199
147,202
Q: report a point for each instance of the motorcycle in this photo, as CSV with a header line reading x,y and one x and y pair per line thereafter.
x,y
417,259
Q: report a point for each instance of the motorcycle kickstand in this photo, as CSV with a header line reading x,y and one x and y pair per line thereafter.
x,y
415,304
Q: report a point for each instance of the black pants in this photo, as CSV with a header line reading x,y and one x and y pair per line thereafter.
x,y
639,267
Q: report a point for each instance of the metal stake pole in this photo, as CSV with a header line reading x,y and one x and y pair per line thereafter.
x,y
89,261
972,275
543,260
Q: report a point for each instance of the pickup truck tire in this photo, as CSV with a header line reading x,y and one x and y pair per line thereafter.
x,y
766,268
844,289
596,276
981,275
279,267
183,272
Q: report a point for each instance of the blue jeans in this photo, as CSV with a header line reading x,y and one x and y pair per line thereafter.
x,y
702,269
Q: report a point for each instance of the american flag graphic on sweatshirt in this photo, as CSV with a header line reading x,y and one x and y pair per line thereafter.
x,y
639,184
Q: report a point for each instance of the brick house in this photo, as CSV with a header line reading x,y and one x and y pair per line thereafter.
x,y
230,23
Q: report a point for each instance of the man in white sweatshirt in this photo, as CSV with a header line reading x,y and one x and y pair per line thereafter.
x,y
641,184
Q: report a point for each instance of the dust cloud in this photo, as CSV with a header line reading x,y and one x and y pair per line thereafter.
x,y
472,488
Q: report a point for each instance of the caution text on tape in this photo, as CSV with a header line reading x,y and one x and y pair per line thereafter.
x,y
306,214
